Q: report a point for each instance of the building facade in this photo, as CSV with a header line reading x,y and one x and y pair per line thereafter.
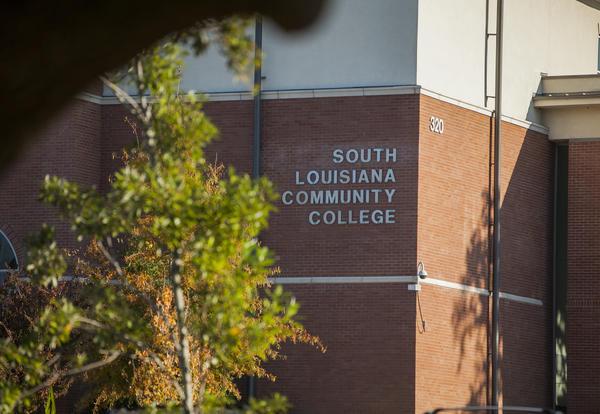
x,y
377,130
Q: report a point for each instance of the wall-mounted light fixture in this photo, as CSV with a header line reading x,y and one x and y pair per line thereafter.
x,y
421,274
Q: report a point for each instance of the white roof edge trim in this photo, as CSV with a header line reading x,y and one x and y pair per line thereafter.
x,y
595,4
485,111
340,92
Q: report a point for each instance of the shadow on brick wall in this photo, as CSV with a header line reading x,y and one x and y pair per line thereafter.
x,y
525,358
471,315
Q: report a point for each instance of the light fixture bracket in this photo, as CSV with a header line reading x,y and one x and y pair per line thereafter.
x,y
421,272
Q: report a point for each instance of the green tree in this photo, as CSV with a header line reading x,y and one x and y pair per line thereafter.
x,y
177,288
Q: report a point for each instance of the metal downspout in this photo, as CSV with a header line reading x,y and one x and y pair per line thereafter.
x,y
485,53
497,198
554,264
256,132
257,96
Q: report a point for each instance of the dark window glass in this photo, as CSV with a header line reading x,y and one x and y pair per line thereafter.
x,y
8,258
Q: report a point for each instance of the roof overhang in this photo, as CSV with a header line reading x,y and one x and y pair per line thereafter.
x,y
592,3
570,106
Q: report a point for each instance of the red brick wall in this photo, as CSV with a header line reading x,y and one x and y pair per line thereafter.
x,y
455,180
300,135
527,213
526,266
233,145
583,305
367,328
377,360
451,354
368,366
69,147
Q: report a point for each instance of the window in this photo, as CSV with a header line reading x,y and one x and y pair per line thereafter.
x,y
8,257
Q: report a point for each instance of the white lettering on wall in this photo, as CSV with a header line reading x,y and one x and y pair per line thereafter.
x,y
436,125
285,197
363,176
328,187
352,217
389,193
338,156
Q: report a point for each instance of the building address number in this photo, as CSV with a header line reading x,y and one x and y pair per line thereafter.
x,y
436,125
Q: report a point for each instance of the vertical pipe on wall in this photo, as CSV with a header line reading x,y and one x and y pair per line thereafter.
x,y
257,96
490,204
490,260
560,276
554,252
256,131
485,53
497,199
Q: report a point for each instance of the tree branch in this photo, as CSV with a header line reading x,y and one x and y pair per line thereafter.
x,y
117,266
138,293
55,377
126,100
153,356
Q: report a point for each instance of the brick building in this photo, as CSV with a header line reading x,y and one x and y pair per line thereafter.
x,y
377,129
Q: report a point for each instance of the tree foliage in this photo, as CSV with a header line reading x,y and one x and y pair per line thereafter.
x,y
29,356
178,303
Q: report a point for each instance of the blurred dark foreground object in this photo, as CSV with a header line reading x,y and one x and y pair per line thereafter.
x,y
51,50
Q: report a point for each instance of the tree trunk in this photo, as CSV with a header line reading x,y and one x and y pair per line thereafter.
x,y
184,348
